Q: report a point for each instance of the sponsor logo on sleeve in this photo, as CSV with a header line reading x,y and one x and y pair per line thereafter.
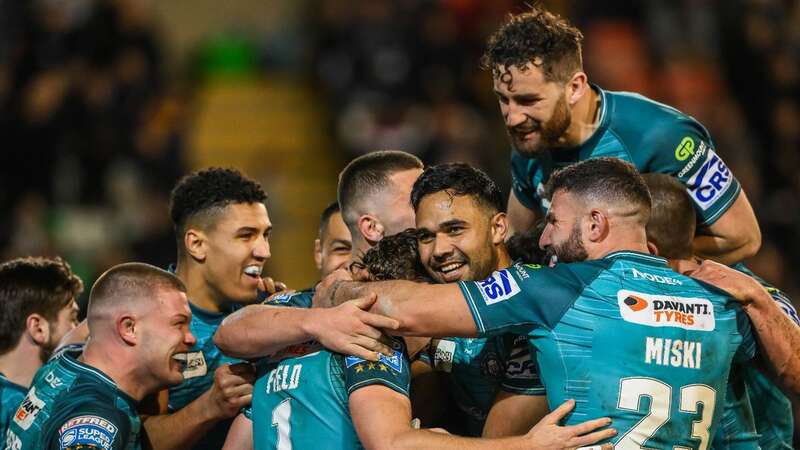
x,y
93,431
444,353
281,298
666,311
684,149
696,155
30,408
710,182
394,362
500,286
195,365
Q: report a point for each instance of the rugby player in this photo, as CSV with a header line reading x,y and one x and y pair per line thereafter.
x,y
670,232
603,337
222,230
37,300
308,396
555,117
462,227
373,193
138,320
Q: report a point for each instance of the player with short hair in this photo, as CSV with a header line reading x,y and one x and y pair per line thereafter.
x,y
307,395
604,336
555,117
37,300
461,225
758,414
139,334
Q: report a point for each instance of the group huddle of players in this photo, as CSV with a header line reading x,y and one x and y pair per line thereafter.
x,y
603,304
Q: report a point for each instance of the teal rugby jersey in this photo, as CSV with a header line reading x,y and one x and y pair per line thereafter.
x,y
297,299
300,398
11,395
477,368
627,338
71,405
653,137
201,362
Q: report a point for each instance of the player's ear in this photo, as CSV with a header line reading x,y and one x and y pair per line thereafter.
x,y
577,87
318,254
126,328
499,228
370,227
196,244
38,328
652,248
597,226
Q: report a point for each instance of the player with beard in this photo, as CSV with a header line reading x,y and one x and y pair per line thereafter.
x,y
373,193
37,300
331,252
222,230
462,228
670,231
307,395
138,321
604,336
555,117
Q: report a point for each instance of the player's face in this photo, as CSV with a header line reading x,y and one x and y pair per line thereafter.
x,y
535,110
398,213
165,336
66,321
562,237
237,248
333,247
456,240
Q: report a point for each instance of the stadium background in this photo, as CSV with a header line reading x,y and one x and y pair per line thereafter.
x,y
105,103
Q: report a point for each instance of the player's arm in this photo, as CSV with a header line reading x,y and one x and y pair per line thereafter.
x,y
240,435
260,330
778,335
231,391
520,217
734,237
382,418
90,426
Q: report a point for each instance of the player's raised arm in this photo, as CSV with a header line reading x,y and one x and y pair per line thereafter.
x,y
260,330
733,237
779,336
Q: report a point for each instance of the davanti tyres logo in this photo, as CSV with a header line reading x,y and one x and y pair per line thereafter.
x,y
666,311
635,303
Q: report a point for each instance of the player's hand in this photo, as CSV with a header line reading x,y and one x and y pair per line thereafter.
x,y
352,330
232,389
547,435
741,286
323,294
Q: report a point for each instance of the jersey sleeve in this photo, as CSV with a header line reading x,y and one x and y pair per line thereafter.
x,y
90,426
297,299
748,347
522,373
684,150
524,296
522,181
390,371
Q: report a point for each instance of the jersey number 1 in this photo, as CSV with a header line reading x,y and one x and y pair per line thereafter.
x,y
280,420
631,391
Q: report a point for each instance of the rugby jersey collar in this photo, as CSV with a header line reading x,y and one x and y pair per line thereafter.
x,y
645,258
605,117
76,365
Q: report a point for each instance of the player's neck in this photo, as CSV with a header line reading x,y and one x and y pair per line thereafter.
x,y
503,258
585,118
198,291
116,365
20,364
622,240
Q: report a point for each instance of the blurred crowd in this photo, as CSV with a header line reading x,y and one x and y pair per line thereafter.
x,y
94,129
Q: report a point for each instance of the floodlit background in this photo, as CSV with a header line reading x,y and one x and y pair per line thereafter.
x,y
105,103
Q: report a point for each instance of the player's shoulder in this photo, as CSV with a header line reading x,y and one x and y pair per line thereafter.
x,y
84,424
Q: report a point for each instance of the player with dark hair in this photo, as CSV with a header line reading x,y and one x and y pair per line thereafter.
x,y
462,227
308,395
524,246
555,117
603,336
139,335
333,246
37,300
670,232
